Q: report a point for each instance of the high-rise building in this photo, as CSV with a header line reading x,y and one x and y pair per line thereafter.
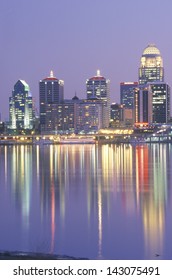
x,y
160,102
21,107
143,104
151,66
51,91
127,94
99,87
152,97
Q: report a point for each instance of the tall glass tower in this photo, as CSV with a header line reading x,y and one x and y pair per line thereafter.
x,y
21,107
151,66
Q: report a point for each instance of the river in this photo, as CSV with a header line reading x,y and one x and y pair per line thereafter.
x,y
90,201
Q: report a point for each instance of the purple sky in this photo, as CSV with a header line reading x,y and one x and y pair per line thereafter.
x,y
77,37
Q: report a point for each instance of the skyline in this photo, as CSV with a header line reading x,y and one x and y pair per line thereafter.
x,y
74,40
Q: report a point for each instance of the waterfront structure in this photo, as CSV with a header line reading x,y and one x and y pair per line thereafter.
x,y
21,113
74,115
51,91
127,94
151,66
160,102
143,104
99,87
61,118
89,115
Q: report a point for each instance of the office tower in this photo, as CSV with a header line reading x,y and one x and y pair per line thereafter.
x,y
143,104
127,94
21,107
151,66
160,102
51,91
99,87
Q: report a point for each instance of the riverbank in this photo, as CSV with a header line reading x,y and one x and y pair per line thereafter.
x,y
6,255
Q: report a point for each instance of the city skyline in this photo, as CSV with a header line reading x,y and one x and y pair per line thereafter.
x,y
77,39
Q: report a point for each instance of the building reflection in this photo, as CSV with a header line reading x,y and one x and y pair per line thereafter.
x,y
18,178
140,175
97,177
151,186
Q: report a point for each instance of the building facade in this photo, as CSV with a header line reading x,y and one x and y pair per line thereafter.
x,y
61,118
51,91
21,114
89,115
160,102
143,105
99,87
116,114
127,94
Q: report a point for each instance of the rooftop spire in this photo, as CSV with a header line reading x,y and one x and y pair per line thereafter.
x,y
51,74
98,73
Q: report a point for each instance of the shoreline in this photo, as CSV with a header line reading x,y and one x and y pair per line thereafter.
x,y
132,139
17,255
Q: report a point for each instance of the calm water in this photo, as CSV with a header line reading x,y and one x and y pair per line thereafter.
x,y
98,202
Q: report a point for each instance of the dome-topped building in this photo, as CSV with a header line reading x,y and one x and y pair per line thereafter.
x,y
151,65
152,50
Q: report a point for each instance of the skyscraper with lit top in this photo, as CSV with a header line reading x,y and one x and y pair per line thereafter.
x,y
51,91
151,66
98,87
151,76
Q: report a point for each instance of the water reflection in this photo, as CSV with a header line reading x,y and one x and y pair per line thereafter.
x,y
153,203
18,174
106,201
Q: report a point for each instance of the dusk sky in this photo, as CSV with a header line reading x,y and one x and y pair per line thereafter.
x,y
74,38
